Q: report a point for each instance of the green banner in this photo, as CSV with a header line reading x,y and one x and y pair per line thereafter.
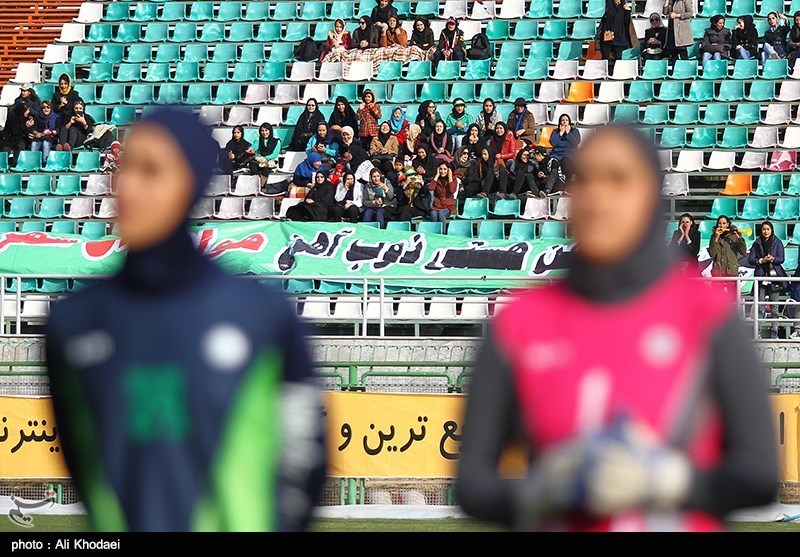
x,y
304,249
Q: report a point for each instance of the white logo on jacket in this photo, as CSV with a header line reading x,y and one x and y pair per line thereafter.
x,y
226,347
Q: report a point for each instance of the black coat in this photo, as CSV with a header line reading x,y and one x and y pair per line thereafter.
x,y
747,37
657,33
689,251
777,39
323,196
67,110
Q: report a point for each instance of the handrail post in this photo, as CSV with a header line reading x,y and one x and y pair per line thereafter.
x,y
382,298
756,288
364,297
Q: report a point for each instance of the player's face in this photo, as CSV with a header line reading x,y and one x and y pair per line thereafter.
x,y
154,187
613,198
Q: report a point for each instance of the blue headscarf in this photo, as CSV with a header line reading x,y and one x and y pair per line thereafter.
x,y
397,123
306,168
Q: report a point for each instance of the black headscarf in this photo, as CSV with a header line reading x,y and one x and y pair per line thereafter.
x,y
496,141
474,149
240,146
424,38
440,140
767,243
428,121
307,122
348,118
615,19
267,147
358,153
648,262
384,137
381,15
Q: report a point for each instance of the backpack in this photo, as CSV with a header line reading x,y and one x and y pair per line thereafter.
x,y
307,50
481,47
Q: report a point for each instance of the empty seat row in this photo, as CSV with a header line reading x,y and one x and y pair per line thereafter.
x,y
58,207
63,185
348,308
92,230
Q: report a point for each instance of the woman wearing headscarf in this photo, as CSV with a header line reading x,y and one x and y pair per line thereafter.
x,y
725,247
64,98
451,44
744,39
613,33
415,201
522,123
338,42
767,256
458,121
393,35
488,118
793,41
422,38
609,448
267,151
324,143
427,118
716,43
369,112
486,175
367,35
424,163
75,130
399,125
349,197
473,141
306,126
686,239
503,143
413,139
304,173
342,115
237,153
524,170
19,126
444,188
383,148
679,31
441,143
461,163
655,39
382,12
775,36
564,141
378,199
318,202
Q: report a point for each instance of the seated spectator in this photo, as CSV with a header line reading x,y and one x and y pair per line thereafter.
x,y
416,200
488,118
461,163
451,44
382,12
28,96
427,118
502,143
18,126
549,177
473,141
367,35
236,155
343,115
338,174
686,239
424,163
383,148
775,37
486,175
266,150
348,199
74,131
793,41
64,98
441,143
46,134
393,34
767,255
318,203
564,141
613,33
339,40
304,173
378,198
744,39
422,35
399,125
523,169
306,126
655,38
369,112
522,123
324,143
112,159
458,121
716,41
443,187
413,140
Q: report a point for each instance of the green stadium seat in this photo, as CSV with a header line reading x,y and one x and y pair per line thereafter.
x,y
554,30
298,286
768,185
51,208
474,208
755,209
284,11
184,32
506,70
87,162
673,138
403,93
128,72
570,50
655,70
28,161
701,91
139,54
39,184
747,114
342,9
349,91
10,184
169,93
761,91
626,113
228,93
430,227
699,27
742,7
212,32
522,232
477,70
535,70
173,11
82,54
215,71
117,11
252,52
745,69
64,227
793,188
464,91
187,71
569,9
403,225
403,8
539,50
553,230
656,114
94,230
224,54
296,31
99,33
201,11
31,226
510,50
273,71
140,93
791,259
768,6
61,68
492,230
640,92
594,9
128,33
506,208
170,53
734,137
157,72
3,162
786,208
684,70
58,161
230,10
540,10
284,52
157,33
584,30
123,115
524,30
100,72
244,71
775,69
321,30
460,228
722,206
670,91
716,114
53,286
313,11
425,8
631,53
715,69
431,91
448,70
293,114
268,32
648,133
97,112
256,11
491,90
111,54
761,26
67,185
703,138
712,8
86,92
418,70
389,71
686,114
20,208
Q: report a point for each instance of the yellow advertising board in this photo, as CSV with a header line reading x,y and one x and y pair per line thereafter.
x,y
785,413
29,443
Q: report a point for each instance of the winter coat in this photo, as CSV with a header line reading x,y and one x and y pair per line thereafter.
x,y
682,26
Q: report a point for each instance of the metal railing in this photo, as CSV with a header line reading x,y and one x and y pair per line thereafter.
x,y
16,308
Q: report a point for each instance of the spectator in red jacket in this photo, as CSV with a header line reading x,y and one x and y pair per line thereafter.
x,y
368,113
503,142
444,194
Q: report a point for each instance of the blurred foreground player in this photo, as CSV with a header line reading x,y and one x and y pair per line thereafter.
x,y
184,396
637,391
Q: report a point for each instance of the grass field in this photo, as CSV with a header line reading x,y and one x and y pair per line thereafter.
x,y
80,524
